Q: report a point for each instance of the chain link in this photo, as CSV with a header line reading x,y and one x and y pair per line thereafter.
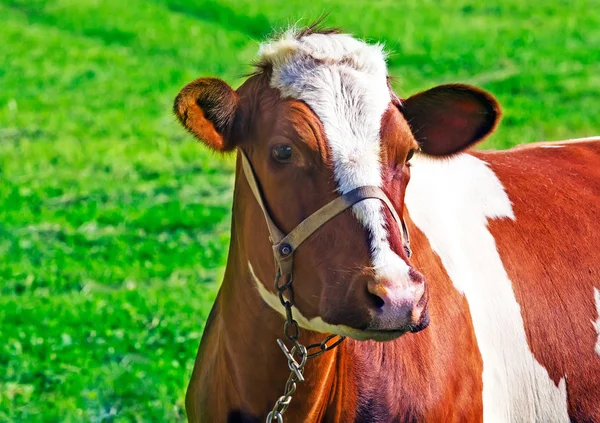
x,y
299,354
323,347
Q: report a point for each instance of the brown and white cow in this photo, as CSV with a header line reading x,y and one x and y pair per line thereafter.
x,y
506,252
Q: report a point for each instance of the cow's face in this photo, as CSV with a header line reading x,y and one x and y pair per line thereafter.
x,y
319,122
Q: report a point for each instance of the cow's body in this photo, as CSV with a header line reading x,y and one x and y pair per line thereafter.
x,y
528,263
505,264
513,338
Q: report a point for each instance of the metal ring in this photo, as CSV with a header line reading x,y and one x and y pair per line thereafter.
x,y
286,327
285,250
271,417
286,284
285,303
288,311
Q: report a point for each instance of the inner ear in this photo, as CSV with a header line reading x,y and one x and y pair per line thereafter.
x,y
207,108
450,118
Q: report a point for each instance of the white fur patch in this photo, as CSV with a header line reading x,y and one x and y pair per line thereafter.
x,y
451,202
344,81
597,322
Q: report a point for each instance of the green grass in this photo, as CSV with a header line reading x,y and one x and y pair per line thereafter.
x,y
114,222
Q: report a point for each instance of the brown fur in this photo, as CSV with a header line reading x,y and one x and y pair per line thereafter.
x,y
436,374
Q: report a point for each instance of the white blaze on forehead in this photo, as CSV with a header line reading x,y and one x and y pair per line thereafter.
x,y
451,202
597,323
344,81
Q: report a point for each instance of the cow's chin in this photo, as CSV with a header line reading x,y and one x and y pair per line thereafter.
x,y
380,335
371,335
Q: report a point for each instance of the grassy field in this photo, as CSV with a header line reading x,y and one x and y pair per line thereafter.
x,y
114,222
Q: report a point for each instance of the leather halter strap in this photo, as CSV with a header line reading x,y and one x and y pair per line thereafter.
x,y
284,246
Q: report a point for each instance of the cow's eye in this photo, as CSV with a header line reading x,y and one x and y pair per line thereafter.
x,y
282,153
410,155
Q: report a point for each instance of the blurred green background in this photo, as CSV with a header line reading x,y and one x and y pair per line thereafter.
x,y
114,222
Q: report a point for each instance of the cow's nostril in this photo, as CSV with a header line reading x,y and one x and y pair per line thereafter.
x,y
376,301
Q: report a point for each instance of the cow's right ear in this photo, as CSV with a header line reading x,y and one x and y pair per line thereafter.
x,y
207,108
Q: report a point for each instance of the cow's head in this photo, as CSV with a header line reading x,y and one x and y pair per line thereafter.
x,y
317,120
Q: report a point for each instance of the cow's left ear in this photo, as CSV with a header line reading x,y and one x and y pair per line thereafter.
x,y
207,107
449,118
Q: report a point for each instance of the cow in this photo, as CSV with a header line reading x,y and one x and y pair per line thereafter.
x,y
495,315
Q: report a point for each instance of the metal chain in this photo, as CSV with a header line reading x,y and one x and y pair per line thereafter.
x,y
299,354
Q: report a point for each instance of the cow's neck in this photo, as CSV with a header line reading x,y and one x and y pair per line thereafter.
x,y
250,370
240,370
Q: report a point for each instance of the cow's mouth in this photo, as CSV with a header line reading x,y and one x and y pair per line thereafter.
x,y
383,335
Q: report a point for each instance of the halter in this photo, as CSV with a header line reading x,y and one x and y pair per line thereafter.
x,y
284,247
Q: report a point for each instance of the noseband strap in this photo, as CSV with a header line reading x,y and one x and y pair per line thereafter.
x,y
284,246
